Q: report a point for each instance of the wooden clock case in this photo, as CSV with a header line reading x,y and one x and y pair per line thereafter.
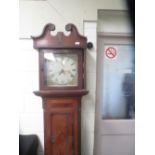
x,y
62,105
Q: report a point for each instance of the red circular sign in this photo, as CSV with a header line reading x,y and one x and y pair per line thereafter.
x,y
111,52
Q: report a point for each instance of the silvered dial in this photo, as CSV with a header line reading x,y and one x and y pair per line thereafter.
x,y
62,70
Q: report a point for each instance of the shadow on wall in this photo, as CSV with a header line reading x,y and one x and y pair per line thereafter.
x,y
40,148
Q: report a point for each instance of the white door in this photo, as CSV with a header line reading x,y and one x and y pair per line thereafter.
x,y
114,115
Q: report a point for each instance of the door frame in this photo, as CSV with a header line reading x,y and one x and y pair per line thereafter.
x,y
106,127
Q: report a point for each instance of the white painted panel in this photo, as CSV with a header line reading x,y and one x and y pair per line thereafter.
x,y
88,101
117,127
91,62
113,21
117,145
91,81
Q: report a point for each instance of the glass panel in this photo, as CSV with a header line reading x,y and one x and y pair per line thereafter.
x,y
61,69
119,82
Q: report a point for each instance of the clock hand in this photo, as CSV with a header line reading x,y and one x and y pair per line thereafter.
x,y
62,71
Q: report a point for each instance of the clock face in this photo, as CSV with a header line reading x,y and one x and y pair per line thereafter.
x,y
61,69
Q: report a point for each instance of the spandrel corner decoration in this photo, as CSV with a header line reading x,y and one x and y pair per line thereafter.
x,y
62,83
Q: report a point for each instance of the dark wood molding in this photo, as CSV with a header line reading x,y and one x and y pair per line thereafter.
x,y
60,40
61,93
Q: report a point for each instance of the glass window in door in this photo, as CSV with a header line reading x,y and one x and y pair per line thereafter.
x,y
118,82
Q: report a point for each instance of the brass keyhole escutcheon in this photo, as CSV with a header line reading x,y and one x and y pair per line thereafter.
x,y
53,139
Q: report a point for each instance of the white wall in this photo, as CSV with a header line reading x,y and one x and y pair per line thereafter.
x,y
30,106
34,14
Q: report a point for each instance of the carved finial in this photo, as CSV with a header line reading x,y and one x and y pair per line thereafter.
x,y
72,28
49,27
68,27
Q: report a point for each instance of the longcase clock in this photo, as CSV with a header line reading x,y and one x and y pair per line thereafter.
x,y
62,83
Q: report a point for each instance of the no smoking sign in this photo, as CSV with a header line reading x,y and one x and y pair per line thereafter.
x,y
110,52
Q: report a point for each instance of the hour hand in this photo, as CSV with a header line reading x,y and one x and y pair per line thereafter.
x,y
61,71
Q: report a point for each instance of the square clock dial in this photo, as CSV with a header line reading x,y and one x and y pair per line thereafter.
x,y
61,69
